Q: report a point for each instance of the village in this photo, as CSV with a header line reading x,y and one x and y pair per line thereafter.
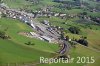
x,y
31,29
43,31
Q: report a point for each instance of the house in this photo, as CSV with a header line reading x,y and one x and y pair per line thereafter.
x,y
49,28
50,40
4,5
59,0
35,35
56,14
61,15
32,25
46,22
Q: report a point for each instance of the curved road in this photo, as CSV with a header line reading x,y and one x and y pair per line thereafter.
x,y
65,47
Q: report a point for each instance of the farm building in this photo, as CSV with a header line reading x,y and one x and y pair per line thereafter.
x,y
50,40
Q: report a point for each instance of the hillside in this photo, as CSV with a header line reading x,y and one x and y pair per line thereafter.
x,y
49,19
15,49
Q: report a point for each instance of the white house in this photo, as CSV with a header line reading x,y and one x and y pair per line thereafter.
x,y
50,40
32,25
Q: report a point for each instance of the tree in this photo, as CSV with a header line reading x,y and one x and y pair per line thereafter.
x,y
1,1
74,30
29,43
83,42
3,35
84,13
34,1
67,38
62,35
4,15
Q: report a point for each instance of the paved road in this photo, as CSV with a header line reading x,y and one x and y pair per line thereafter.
x,y
42,28
65,47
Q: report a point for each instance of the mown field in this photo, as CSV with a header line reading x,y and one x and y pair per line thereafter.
x,y
80,51
92,34
91,31
15,49
23,4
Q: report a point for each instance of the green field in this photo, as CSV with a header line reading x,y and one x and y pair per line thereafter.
x,y
16,3
15,50
23,4
80,51
93,38
92,34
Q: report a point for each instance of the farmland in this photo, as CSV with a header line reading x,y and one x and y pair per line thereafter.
x,y
22,53
83,15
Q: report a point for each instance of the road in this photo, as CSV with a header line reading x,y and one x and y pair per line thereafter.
x,y
64,47
39,27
